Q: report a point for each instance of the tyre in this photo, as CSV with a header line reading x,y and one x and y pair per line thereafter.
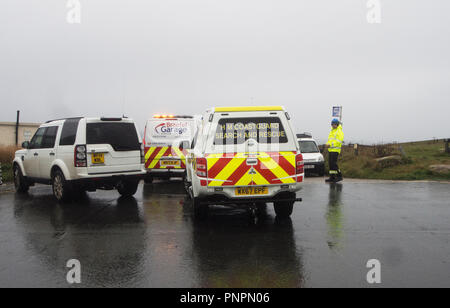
x,y
200,210
283,209
261,209
187,186
148,180
20,183
127,188
61,188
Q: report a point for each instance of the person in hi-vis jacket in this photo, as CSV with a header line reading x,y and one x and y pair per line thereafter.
x,y
334,145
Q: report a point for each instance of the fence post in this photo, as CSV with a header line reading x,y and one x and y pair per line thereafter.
x,y
447,148
1,175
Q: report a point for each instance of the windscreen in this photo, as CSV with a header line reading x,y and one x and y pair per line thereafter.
x,y
121,136
265,130
308,147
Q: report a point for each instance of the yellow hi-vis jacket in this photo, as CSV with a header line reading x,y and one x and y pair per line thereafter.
x,y
335,139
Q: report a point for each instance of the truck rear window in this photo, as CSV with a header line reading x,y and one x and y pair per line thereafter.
x,y
239,130
121,136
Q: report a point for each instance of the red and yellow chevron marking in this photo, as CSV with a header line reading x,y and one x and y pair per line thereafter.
x,y
154,155
231,169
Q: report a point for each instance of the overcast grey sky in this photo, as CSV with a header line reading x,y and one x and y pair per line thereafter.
x,y
141,57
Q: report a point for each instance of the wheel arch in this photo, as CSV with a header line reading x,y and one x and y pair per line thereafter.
x,y
18,162
58,165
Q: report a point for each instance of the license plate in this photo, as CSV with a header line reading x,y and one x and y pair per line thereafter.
x,y
98,158
309,166
172,163
249,191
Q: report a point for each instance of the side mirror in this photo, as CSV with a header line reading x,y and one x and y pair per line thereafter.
x,y
26,144
184,145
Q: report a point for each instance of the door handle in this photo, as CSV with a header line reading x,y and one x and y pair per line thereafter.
x,y
36,154
52,154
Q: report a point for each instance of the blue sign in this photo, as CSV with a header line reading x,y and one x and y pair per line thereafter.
x,y
337,112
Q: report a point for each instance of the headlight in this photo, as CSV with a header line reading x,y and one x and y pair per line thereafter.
x,y
320,159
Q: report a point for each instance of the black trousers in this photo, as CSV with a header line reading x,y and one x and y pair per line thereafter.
x,y
334,168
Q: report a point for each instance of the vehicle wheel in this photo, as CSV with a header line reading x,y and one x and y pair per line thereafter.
x,y
61,188
20,183
200,210
283,209
261,209
127,188
148,180
187,186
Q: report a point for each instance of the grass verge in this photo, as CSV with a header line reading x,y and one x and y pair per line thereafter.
x,y
6,158
413,166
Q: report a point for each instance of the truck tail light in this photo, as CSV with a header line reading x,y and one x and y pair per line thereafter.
x,y
80,156
299,166
201,168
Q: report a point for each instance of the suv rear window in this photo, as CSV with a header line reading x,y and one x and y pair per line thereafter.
x,y
239,130
121,136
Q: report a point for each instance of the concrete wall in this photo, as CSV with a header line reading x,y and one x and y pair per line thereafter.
x,y
8,132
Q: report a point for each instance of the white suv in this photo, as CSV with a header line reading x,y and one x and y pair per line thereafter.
x,y
82,154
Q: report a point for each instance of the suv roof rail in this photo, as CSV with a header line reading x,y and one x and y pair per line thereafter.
x,y
304,135
63,119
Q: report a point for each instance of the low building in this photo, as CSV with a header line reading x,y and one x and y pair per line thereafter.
x,y
8,132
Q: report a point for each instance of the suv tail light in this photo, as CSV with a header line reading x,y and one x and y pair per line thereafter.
x,y
80,156
201,167
299,166
142,154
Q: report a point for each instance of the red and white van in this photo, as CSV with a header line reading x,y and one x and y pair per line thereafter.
x,y
167,139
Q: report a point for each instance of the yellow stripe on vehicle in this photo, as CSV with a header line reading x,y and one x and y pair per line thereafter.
x,y
289,156
259,179
157,157
248,108
179,153
213,159
227,171
149,153
275,168
244,180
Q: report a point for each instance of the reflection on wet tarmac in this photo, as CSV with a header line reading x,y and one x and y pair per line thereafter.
x,y
107,237
334,216
153,240
230,251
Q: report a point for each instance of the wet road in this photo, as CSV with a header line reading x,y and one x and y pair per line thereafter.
x,y
154,241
